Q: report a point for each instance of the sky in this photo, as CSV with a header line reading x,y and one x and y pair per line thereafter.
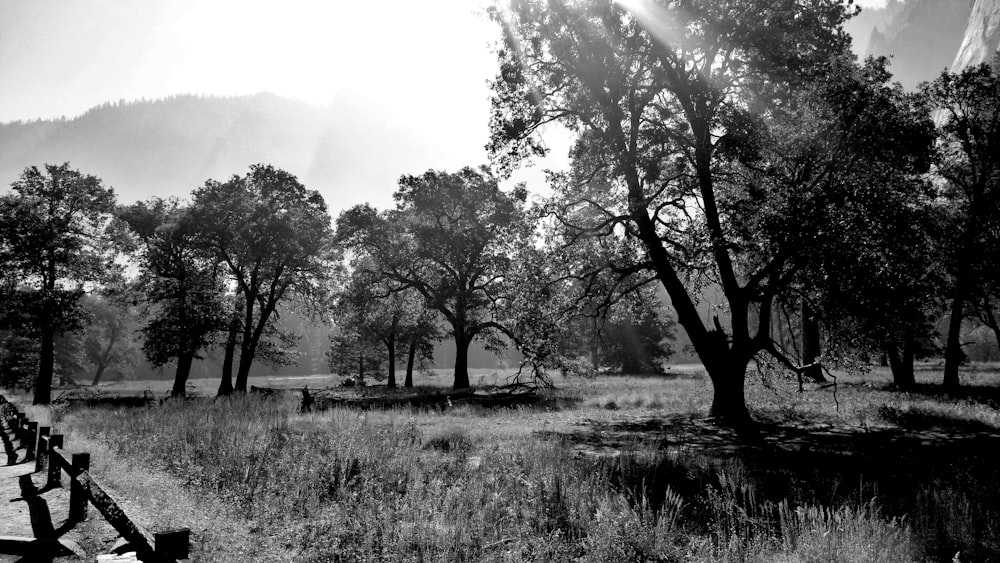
x,y
431,57
61,57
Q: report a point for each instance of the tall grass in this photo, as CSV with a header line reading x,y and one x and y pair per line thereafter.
x,y
346,486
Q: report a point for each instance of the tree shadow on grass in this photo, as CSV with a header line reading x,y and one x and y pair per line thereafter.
x,y
988,395
941,473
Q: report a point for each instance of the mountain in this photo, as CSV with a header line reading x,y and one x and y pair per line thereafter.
x,y
864,27
921,36
350,151
982,36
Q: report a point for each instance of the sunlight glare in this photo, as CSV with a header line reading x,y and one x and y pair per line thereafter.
x,y
655,19
311,50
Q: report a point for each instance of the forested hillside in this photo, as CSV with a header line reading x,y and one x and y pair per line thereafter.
x,y
170,146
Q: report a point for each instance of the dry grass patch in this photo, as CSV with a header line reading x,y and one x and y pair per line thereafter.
x,y
473,484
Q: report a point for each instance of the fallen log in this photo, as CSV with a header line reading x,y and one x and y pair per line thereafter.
x,y
269,391
99,399
321,399
430,400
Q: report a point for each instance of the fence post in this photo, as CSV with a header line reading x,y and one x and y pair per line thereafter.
x,y
77,495
55,471
32,442
41,457
19,427
172,545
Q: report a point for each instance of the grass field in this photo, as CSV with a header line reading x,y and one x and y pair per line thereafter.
x,y
611,469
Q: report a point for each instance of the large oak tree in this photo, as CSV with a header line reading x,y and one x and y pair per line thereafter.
x,y
181,282
54,239
672,103
274,237
968,104
453,238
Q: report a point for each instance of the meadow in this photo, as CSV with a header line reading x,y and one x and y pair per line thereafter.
x,y
605,469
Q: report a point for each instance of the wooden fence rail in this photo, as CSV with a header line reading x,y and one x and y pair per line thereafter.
x,y
47,451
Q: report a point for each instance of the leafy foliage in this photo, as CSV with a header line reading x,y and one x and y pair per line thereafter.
x,y
181,283
110,343
54,239
273,237
837,184
662,96
968,145
370,308
453,239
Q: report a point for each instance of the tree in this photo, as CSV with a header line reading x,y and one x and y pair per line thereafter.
x,y
181,283
273,236
669,101
54,239
354,350
109,342
277,346
378,308
419,336
864,243
635,341
968,148
452,238
596,310
18,360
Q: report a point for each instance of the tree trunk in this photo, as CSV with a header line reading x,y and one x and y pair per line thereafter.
x,y
226,385
991,321
97,374
778,328
461,360
901,365
811,345
411,356
726,365
953,350
728,400
46,364
251,338
391,344
243,369
103,364
183,372
247,347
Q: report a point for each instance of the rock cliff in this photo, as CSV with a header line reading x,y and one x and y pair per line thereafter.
x,y
922,37
982,35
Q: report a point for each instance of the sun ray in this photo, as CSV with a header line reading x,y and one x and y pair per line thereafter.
x,y
660,23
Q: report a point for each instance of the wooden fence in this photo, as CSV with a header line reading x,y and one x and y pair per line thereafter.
x,y
47,452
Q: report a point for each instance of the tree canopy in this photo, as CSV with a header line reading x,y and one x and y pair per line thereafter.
x,y
181,282
273,236
54,240
452,238
968,160
676,106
